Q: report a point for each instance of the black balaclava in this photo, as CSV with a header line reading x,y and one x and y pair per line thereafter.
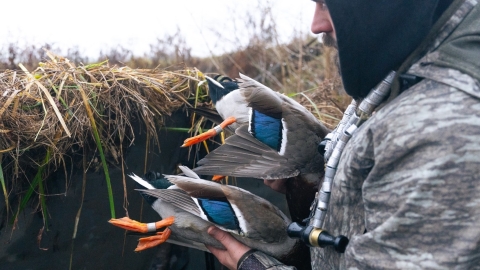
x,y
376,36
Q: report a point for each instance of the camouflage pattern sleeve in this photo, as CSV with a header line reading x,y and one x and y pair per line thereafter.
x,y
260,261
407,190
421,194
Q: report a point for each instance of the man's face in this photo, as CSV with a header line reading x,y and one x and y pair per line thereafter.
x,y
322,23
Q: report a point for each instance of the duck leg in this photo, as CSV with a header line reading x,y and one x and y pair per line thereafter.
x,y
152,241
210,133
218,178
133,225
146,242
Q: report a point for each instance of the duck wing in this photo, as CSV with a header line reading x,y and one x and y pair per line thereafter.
x,y
277,117
260,97
243,155
175,197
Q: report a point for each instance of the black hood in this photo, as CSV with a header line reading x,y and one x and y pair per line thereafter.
x,y
376,36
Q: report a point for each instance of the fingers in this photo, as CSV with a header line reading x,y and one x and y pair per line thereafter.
x,y
234,250
227,240
220,235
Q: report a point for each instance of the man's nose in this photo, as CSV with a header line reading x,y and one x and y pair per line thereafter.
x,y
321,22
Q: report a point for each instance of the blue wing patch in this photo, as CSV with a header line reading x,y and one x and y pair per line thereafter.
x,y
266,129
220,212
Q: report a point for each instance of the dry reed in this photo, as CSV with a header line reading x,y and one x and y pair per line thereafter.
x,y
47,113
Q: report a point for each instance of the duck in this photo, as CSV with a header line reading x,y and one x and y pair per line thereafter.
x,y
278,141
189,205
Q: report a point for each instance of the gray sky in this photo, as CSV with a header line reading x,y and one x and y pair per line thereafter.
x,y
93,25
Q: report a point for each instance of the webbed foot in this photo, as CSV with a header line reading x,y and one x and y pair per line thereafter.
x,y
153,241
133,225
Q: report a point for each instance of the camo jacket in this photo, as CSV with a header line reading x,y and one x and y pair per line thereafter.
x,y
257,260
407,189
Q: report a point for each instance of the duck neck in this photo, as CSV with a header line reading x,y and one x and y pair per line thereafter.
x,y
300,193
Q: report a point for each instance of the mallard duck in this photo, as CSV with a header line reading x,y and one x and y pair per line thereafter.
x,y
189,205
279,140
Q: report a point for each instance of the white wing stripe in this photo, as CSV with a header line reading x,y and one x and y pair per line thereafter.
x,y
284,138
241,220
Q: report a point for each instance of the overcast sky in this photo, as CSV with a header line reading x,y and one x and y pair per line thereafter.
x,y
93,25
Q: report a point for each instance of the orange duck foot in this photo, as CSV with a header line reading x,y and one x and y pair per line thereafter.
x,y
152,241
210,133
133,225
218,178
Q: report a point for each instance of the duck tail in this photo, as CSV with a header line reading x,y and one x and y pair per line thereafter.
x,y
141,181
188,172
